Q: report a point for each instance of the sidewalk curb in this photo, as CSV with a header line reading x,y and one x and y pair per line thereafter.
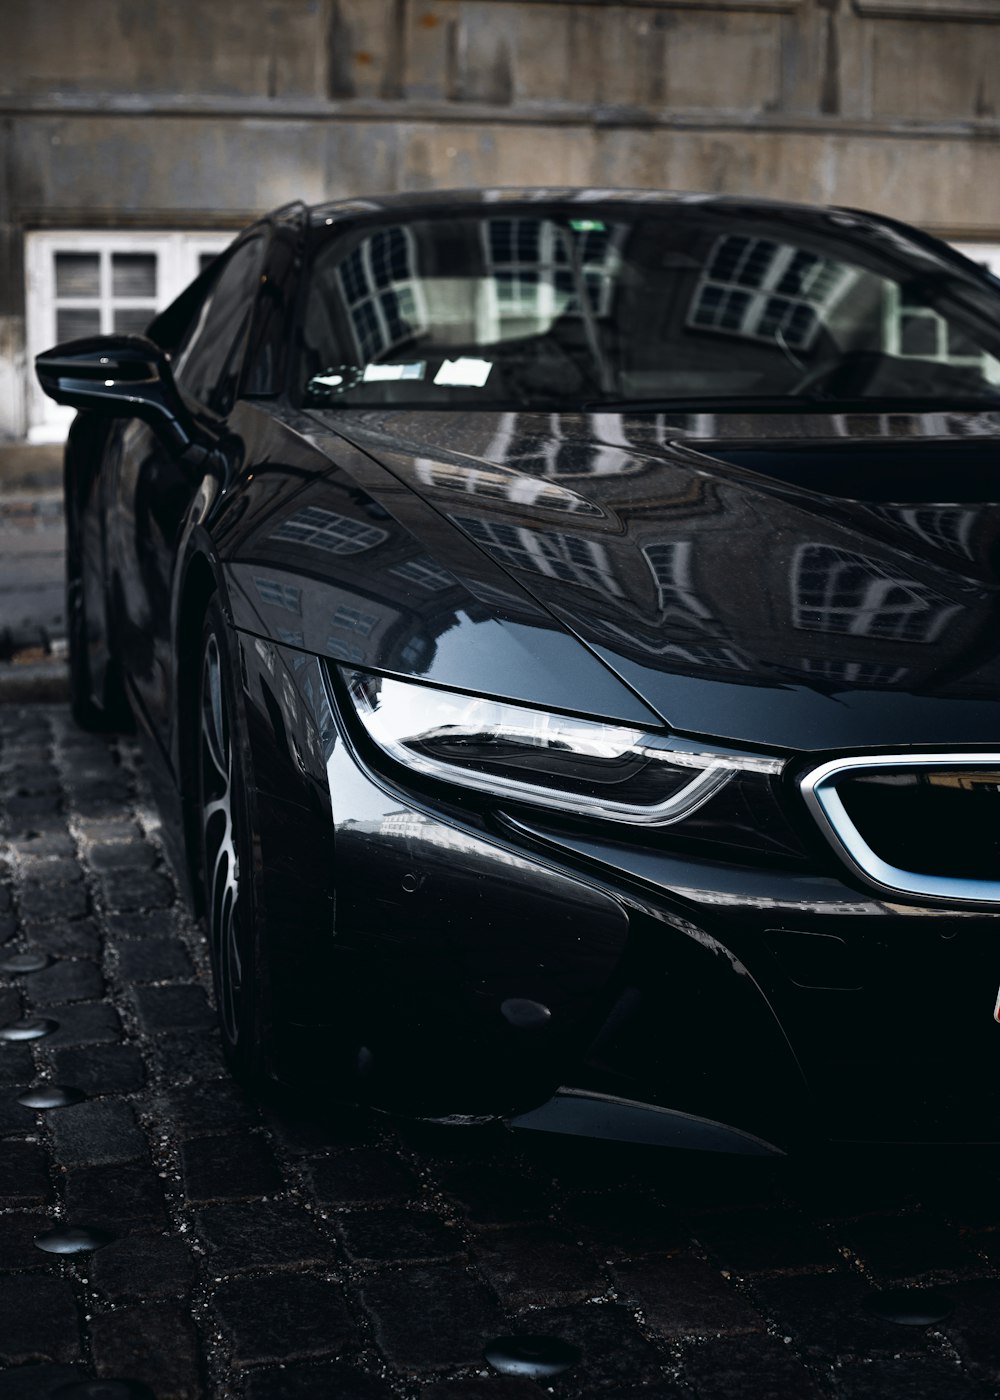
x,y
37,681
29,468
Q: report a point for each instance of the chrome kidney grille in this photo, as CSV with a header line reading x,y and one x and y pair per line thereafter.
x,y
923,825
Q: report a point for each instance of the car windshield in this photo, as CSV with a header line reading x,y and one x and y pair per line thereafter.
x,y
646,305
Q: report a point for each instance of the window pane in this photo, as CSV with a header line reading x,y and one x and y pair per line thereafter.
x,y
78,274
132,320
73,323
133,274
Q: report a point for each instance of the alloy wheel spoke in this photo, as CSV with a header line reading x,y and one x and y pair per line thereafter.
x,y
219,843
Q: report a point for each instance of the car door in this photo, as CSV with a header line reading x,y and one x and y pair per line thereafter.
x,y
151,485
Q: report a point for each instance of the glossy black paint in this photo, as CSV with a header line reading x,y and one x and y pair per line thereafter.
x,y
693,969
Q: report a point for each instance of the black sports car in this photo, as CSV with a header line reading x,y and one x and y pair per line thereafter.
x,y
566,631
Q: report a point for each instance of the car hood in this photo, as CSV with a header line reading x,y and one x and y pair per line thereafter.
x,y
803,582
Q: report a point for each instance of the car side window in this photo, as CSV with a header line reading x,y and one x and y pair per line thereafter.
x,y
208,360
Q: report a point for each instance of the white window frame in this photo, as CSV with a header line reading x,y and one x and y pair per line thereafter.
x,y
178,253
986,254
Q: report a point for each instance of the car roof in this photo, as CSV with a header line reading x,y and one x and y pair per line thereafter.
x,y
470,200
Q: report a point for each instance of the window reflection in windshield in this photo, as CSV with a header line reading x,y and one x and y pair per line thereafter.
x,y
688,304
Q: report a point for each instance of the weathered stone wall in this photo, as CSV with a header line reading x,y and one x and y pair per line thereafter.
x,y
181,113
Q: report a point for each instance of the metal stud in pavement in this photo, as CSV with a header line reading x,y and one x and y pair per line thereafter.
x,y
19,963
73,1239
51,1096
32,1028
531,1356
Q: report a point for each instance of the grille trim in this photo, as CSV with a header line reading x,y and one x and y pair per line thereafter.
x,y
819,788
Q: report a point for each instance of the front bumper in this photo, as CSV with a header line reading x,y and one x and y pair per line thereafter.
x,y
782,1003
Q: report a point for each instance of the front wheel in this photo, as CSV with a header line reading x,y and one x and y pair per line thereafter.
x,y
112,711
225,827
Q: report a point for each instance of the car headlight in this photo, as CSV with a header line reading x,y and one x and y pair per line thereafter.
x,y
582,766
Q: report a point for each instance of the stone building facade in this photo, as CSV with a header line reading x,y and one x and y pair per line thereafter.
x,y
138,134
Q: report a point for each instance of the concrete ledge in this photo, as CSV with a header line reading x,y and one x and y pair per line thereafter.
x,y
28,466
23,683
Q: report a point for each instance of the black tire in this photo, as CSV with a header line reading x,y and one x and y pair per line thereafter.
x,y
113,712
226,816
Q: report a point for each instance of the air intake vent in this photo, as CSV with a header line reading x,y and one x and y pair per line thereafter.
x,y
923,825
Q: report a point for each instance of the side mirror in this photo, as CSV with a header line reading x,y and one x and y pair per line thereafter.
x,y
122,376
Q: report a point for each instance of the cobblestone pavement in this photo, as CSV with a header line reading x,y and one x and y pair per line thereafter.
x,y
272,1254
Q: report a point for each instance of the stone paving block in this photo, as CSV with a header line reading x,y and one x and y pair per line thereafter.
x,y
155,1344
54,841
173,1008
71,980
262,1235
8,927
153,960
116,1198
909,1378
616,1358
190,1055
43,874
973,1326
88,764
318,1130
142,1267
10,1004
17,1064
228,1168
68,938
283,1319
208,1107
334,1380
83,1023
105,830
15,1119
97,1133
139,889
121,855
38,1320
18,1250
367,1175
100,1069
34,1382
904,1247
23,813
23,784
24,1174
48,901
684,1297
379,1236
496,1196
100,800
537,1266
748,1241
826,1315
617,1224
150,923
431,1316
760,1368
